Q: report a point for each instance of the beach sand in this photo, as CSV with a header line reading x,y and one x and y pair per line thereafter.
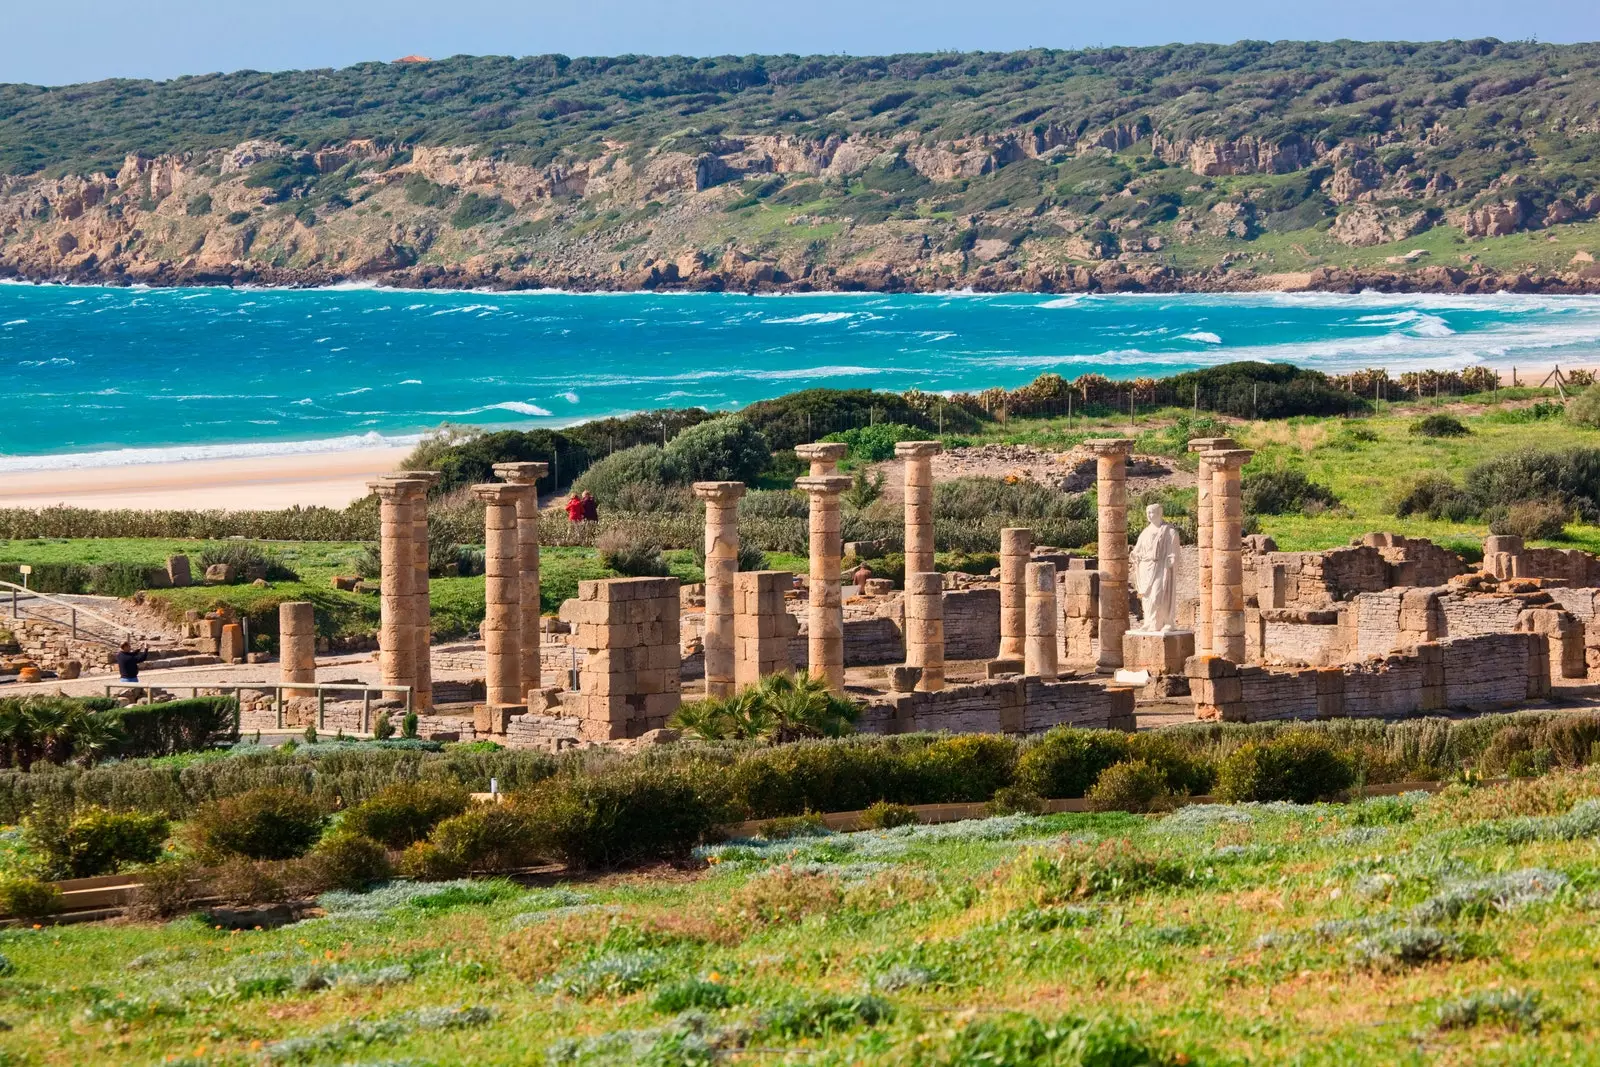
x,y
330,479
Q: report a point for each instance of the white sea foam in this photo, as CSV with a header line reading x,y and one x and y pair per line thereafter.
x,y
15,322
570,397
1063,302
519,407
1203,336
121,457
814,318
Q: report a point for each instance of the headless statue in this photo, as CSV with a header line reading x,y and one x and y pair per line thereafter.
x,y
1155,560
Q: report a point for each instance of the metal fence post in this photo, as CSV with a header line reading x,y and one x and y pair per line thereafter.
x,y
322,708
366,711
74,624
277,706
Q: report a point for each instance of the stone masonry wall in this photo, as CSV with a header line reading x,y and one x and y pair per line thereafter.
x,y
629,680
1008,705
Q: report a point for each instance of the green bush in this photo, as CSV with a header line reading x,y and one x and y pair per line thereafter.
x,y
246,558
260,824
1066,762
1584,409
875,443
718,450
1131,786
97,841
882,815
1283,492
965,767
621,815
346,860
192,725
641,464
475,210
486,837
1439,424
1437,497
405,812
28,898
630,554
1532,520
1571,476
1016,800
1298,766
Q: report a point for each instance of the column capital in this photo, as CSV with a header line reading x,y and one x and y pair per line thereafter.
x,y
1227,458
723,493
1212,444
433,478
824,485
917,449
520,473
822,451
393,488
503,493
1110,446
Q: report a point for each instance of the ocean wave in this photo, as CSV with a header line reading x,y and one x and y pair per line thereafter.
x,y
122,457
1063,302
15,322
814,318
1203,336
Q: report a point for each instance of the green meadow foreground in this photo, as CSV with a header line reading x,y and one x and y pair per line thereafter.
x,y
1458,929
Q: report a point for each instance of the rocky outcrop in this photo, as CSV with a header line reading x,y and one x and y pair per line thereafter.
x,y
1366,224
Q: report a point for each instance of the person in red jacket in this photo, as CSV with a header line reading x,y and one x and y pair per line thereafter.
x,y
575,509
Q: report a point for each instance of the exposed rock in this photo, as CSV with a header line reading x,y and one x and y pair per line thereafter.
x,y
1366,224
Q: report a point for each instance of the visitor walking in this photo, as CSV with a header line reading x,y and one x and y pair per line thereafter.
x,y
591,507
128,662
575,509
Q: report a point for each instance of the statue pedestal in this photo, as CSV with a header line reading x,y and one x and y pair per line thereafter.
x,y
1159,654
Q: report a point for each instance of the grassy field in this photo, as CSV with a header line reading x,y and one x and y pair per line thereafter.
x,y
1456,929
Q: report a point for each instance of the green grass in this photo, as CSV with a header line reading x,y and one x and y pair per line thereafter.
x,y
1317,935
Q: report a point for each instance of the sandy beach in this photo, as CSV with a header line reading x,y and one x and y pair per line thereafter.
x,y
329,479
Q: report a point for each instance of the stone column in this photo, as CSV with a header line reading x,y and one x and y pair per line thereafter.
x,y
1227,554
502,593
529,611
722,563
925,628
397,632
824,456
1040,659
421,605
1202,537
825,640
1111,486
918,456
1016,548
297,646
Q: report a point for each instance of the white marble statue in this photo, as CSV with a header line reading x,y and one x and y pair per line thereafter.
x,y
1155,561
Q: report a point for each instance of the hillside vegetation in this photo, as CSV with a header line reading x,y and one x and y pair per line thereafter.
x,y
1198,166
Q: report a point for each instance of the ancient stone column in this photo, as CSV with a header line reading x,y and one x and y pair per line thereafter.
x,y
722,563
1111,486
502,593
1203,520
918,456
397,630
1040,655
297,646
529,613
825,639
421,604
1016,548
925,628
824,456
1227,554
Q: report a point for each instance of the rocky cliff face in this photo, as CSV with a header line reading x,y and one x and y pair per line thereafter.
x,y
764,212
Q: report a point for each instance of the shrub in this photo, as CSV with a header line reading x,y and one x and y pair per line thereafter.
x,y
1066,762
192,725
1437,497
1532,520
485,837
724,449
882,815
966,767
1584,409
350,861
1439,424
382,727
1105,868
1571,476
28,898
624,815
630,554
474,210
641,464
247,557
806,824
875,443
1131,786
404,812
1015,800
264,824
408,725
1298,766
674,997
98,841
1512,1008
239,881
1282,492
166,890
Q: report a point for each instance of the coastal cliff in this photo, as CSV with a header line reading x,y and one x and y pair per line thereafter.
x,y
1161,182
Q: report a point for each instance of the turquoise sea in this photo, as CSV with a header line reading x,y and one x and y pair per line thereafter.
x,y
118,375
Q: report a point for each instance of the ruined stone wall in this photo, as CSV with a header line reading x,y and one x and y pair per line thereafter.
x,y
971,624
1584,604
1008,705
1375,562
629,681
1307,638
51,646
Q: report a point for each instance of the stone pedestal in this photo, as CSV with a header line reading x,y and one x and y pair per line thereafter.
x,y
824,456
1111,487
297,647
1159,657
1227,554
1040,659
925,629
421,603
1217,690
397,625
918,457
529,609
1016,546
825,621
722,563
1080,616
231,648
502,592
762,626
1203,520
629,683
